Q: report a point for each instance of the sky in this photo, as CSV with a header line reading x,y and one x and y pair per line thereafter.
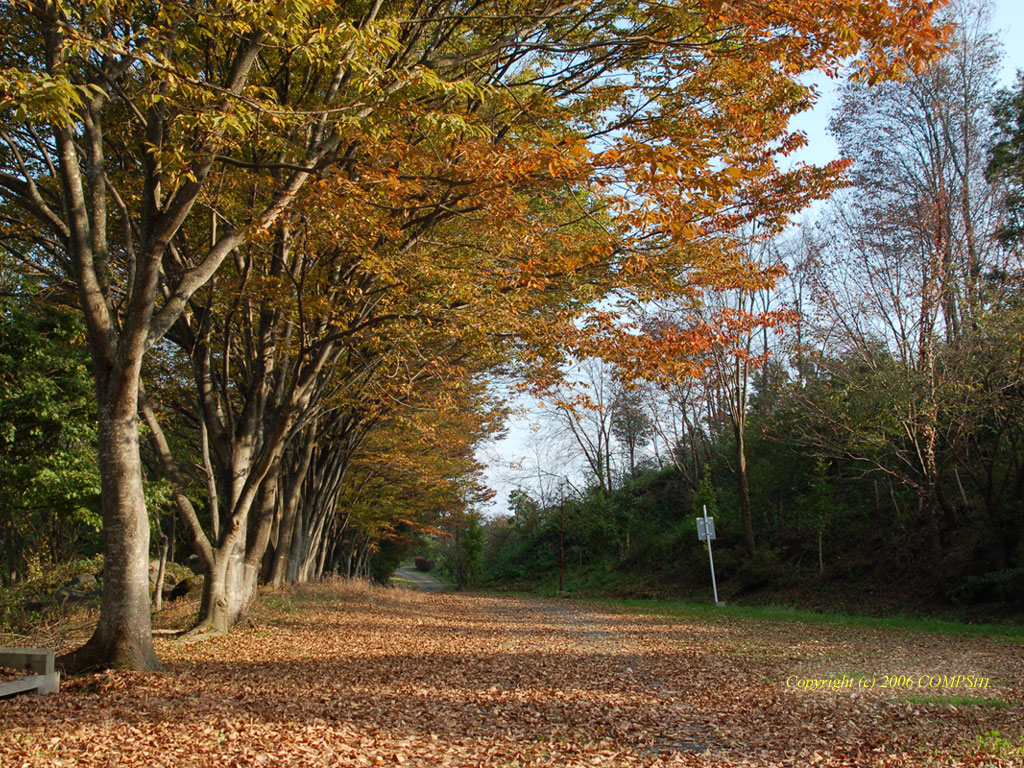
x,y
1007,21
504,457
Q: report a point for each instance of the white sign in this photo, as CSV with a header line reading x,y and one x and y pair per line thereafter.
x,y
706,528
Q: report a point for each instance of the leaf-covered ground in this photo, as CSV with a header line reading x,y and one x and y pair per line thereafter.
x,y
351,675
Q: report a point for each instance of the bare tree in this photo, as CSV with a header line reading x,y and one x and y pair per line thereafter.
x,y
583,409
901,276
678,413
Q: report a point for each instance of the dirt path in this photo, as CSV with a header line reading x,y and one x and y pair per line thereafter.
x,y
424,581
347,676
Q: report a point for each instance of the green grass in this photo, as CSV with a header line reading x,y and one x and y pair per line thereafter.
x,y
281,602
607,586
957,701
442,578
996,743
1012,632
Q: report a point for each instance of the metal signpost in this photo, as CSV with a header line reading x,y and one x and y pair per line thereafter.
x,y
706,532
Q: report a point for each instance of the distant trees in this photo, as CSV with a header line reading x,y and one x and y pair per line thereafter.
x,y
881,417
49,486
584,412
904,285
630,424
1006,162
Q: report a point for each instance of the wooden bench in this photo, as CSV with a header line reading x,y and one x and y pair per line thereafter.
x,y
36,660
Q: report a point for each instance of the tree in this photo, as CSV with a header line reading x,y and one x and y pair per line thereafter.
x,y
115,129
472,551
818,504
904,276
584,413
630,424
726,337
144,145
981,433
705,497
732,364
1006,160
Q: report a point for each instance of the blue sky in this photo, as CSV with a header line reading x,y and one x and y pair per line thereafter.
x,y
1007,20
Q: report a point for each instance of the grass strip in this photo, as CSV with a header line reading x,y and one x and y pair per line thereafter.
x,y
1011,632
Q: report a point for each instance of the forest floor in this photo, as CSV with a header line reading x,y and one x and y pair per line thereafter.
x,y
348,675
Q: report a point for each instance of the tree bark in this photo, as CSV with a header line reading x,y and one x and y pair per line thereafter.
x,y
289,514
123,637
743,488
158,591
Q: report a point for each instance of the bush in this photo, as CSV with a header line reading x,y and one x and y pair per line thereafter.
x,y
423,564
995,587
759,570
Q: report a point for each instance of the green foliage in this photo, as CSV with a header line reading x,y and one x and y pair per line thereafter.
x,y
1005,586
836,515
49,484
473,551
389,555
1002,746
706,495
630,424
818,500
761,569
1006,161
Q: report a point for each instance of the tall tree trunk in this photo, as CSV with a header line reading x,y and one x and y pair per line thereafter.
x,y
230,586
930,496
742,487
289,513
299,546
123,637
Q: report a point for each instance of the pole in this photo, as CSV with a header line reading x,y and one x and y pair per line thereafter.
x,y
561,545
711,559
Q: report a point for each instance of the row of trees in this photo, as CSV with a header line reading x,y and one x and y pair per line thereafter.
x,y
867,407
301,236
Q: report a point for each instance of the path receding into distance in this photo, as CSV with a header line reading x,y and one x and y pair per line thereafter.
x,y
343,674
423,581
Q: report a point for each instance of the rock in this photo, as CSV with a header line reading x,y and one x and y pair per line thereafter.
x,y
181,589
84,581
67,594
